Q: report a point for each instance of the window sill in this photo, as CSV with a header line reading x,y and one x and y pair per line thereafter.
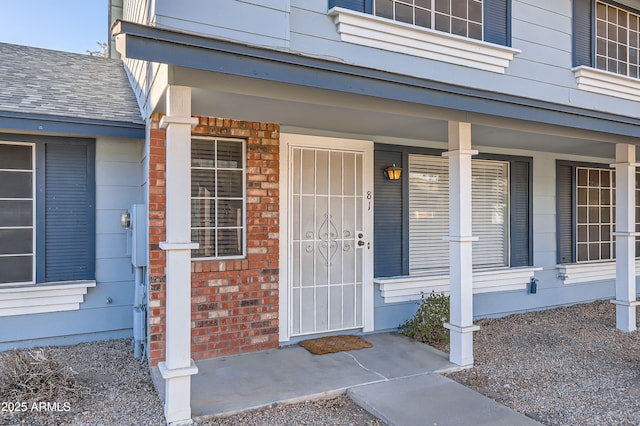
x,y
373,31
407,288
42,298
607,83
574,273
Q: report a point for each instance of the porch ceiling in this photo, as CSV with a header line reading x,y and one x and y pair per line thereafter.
x,y
325,112
322,95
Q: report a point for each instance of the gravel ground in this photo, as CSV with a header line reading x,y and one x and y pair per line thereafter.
x,y
118,391
566,366
337,411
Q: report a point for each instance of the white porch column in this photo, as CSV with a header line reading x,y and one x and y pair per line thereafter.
x,y
625,237
460,240
178,367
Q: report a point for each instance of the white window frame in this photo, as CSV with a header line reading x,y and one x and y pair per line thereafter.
x,y
588,241
607,23
581,271
612,219
243,228
414,270
33,214
602,81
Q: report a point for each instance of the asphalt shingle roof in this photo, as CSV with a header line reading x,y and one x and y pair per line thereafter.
x,y
49,82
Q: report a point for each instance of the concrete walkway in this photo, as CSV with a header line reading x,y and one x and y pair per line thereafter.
x,y
397,380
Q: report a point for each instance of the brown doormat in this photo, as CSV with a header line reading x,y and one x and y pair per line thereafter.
x,y
331,344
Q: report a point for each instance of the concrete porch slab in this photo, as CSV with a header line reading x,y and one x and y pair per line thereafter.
x,y
232,384
396,380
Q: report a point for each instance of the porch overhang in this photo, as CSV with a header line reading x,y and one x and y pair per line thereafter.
x,y
51,124
433,98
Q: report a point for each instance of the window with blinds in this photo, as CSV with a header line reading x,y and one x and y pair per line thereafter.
x,y
218,197
429,213
17,202
47,209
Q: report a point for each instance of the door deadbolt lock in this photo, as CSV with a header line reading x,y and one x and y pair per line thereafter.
x,y
360,235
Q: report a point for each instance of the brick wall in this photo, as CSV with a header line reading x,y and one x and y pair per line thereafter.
x,y
234,303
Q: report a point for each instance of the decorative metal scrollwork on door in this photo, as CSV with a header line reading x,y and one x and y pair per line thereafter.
x,y
328,234
329,242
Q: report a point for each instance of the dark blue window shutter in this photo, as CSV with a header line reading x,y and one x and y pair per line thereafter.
x,y
363,6
564,214
521,230
497,22
69,212
582,32
388,216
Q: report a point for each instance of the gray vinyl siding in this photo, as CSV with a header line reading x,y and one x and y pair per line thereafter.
x,y
263,23
138,11
543,30
139,77
140,72
118,185
144,78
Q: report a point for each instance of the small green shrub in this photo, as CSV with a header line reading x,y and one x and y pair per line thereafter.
x,y
427,324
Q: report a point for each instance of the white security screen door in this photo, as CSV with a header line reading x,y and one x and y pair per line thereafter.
x,y
329,239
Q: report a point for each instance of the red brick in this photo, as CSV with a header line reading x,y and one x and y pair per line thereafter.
x,y
231,322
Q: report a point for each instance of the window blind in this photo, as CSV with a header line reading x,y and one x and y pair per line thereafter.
x,y
490,213
429,213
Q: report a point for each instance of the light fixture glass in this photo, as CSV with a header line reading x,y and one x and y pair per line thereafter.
x,y
393,172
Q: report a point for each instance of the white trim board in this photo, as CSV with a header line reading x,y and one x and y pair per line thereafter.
x,y
574,273
41,298
607,83
381,33
410,288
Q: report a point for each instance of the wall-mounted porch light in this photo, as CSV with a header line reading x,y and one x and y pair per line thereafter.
x,y
393,172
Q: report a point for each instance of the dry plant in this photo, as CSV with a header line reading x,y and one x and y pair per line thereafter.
x,y
35,375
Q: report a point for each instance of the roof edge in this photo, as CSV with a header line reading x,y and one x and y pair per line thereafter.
x,y
154,44
43,123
